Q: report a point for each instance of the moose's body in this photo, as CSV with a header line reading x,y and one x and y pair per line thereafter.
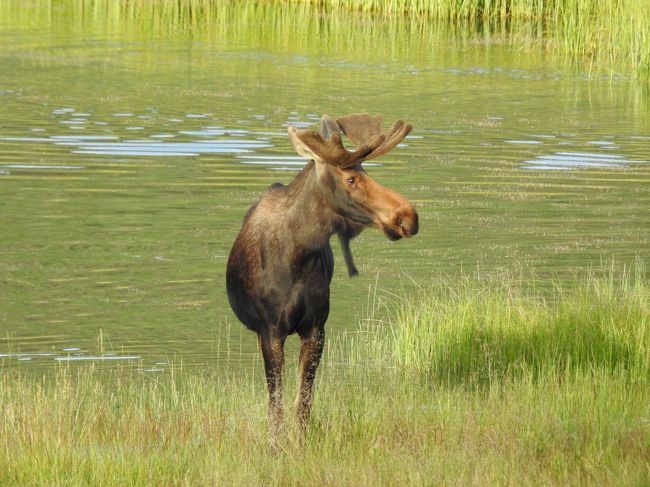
x,y
281,263
280,266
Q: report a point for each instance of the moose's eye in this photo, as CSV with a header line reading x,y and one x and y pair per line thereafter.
x,y
351,180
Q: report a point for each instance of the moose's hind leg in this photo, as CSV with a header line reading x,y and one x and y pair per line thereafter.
x,y
310,354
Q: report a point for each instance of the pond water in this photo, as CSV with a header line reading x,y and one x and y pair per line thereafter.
x,y
129,154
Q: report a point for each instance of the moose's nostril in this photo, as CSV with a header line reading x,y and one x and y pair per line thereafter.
x,y
409,224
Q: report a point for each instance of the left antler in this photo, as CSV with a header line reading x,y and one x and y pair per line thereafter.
x,y
312,145
362,129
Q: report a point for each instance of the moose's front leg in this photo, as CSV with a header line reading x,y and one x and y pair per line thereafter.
x,y
310,354
273,353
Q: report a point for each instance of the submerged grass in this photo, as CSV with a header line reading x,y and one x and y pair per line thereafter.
x,y
472,383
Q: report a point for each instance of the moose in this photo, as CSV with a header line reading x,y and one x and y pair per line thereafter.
x,y
281,263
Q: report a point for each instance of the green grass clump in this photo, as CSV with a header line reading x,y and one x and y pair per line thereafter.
x,y
472,383
483,330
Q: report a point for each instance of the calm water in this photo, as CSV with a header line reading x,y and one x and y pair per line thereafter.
x,y
128,157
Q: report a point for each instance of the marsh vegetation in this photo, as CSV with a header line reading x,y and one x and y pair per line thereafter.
x,y
604,37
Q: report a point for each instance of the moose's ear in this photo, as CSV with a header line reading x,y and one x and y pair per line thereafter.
x,y
328,126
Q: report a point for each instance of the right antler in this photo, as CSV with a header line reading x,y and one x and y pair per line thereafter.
x,y
362,129
312,145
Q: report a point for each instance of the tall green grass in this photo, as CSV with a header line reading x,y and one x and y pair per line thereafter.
x,y
609,36
481,330
604,34
475,382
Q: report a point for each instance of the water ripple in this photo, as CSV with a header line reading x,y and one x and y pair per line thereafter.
x,y
574,160
170,148
104,145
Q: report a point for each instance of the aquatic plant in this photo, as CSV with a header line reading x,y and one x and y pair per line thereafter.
x,y
578,32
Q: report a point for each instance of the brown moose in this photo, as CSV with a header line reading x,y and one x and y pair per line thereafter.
x,y
281,263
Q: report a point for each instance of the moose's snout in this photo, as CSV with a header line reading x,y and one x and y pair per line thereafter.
x,y
408,223
393,213
404,223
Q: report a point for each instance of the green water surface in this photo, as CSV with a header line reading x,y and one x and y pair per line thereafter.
x,y
130,152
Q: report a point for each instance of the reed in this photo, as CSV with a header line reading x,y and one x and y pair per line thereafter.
x,y
608,36
604,35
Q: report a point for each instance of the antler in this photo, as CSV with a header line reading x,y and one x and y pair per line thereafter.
x,y
362,129
312,145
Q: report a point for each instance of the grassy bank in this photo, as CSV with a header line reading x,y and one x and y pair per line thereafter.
x,y
469,384
608,36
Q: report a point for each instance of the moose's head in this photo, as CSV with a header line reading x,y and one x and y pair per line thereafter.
x,y
356,197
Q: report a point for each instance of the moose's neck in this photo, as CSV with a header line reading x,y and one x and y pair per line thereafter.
x,y
310,215
298,216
